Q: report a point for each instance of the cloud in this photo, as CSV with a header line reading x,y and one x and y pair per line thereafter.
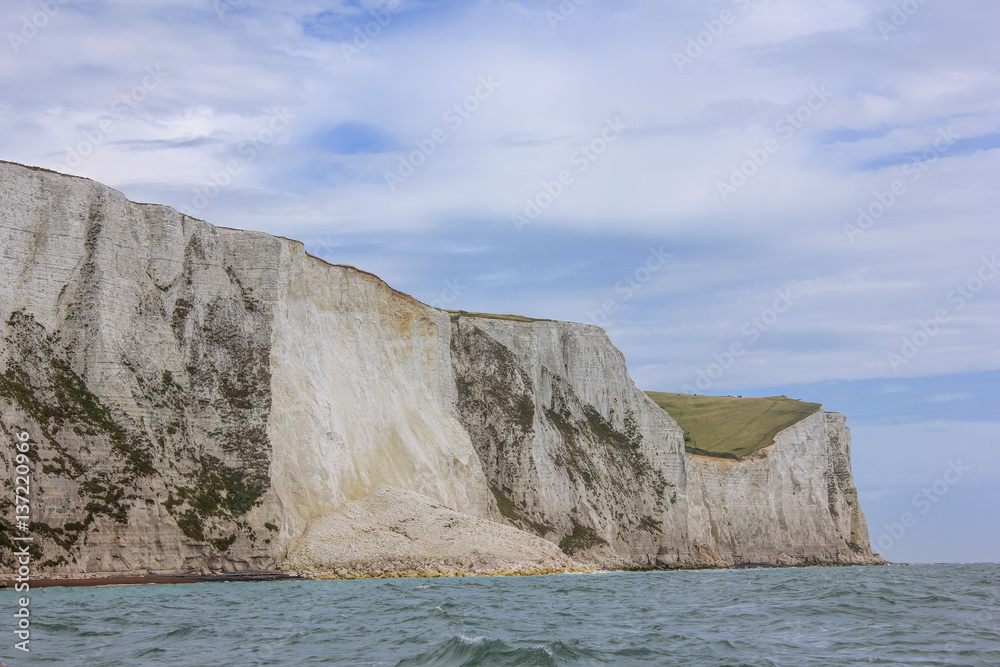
x,y
520,139
357,117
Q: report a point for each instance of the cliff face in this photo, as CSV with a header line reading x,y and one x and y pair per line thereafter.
x,y
200,397
362,395
135,353
791,503
576,453
570,447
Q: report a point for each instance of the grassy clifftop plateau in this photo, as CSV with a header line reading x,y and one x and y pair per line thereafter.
x,y
729,427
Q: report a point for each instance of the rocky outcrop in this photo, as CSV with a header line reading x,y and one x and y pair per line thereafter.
x,y
791,503
572,450
209,399
576,453
136,354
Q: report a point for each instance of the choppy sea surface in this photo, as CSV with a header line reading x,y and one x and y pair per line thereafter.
x,y
901,615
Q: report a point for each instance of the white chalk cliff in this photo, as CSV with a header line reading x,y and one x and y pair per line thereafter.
x,y
210,399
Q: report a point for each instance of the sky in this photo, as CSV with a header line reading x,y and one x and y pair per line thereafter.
x,y
753,197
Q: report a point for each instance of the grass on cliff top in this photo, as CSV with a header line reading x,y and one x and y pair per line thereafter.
x,y
729,427
495,316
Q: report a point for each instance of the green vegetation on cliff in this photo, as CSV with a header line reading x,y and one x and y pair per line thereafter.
x,y
581,539
729,427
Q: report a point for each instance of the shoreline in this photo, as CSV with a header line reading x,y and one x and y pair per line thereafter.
x,y
269,576
137,579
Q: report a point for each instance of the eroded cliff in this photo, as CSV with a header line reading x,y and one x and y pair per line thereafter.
x,y
576,453
204,398
791,503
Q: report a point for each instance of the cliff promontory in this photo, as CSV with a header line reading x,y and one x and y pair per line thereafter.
x,y
203,399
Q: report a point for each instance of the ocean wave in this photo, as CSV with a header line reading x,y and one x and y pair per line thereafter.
x,y
461,651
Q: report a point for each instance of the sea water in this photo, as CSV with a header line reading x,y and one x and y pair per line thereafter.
x,y
898,615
